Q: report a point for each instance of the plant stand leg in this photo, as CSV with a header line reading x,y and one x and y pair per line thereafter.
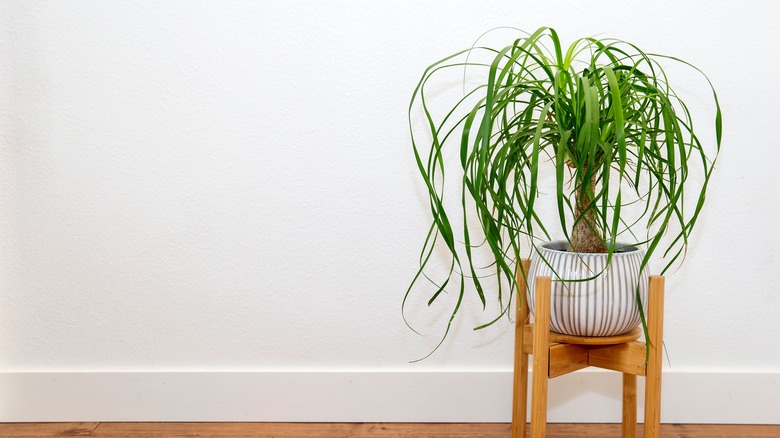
x,y
629,405
655,317
541,354
520,392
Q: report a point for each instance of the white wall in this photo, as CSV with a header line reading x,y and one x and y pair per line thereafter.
x,y
229,186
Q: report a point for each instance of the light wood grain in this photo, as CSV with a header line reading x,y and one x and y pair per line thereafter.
x,y
541,357
625,358
360,430
561,338
629,405
528,339
595,340
520,389
567,358
655,327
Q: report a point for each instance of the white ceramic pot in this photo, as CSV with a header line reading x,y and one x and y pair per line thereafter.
x,y
603,306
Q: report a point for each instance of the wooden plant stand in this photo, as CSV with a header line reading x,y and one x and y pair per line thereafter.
x,y
562,354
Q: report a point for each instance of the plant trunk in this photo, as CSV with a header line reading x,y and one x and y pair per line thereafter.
x,y
586,235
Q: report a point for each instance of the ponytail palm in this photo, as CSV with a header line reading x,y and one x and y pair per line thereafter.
x,y
601,115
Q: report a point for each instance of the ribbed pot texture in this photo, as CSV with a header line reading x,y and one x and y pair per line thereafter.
x,y
603,306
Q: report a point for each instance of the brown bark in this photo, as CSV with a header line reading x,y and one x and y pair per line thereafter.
x,y
586,237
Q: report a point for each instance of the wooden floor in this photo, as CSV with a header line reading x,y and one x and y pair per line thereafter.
x,y
349,430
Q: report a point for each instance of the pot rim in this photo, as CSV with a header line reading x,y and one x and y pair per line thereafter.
x,y
561,245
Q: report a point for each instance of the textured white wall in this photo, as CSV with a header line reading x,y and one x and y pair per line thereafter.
x,y
230,185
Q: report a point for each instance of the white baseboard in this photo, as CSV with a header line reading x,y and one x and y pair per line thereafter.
x,y
585,396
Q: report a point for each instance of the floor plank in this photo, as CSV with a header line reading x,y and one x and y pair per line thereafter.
x,y
302,430
355,430
46,429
